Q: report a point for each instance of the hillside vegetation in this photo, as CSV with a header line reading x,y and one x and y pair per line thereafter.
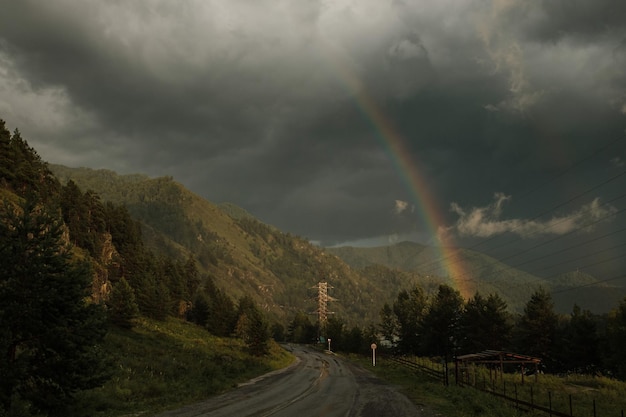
x,y
166,364
241,254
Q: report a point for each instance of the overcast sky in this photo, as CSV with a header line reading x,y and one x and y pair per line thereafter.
x,y
513,113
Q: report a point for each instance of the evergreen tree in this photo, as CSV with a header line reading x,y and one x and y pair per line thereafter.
x,y
441,322
278,332
7,174
536,331
22,170
409,309
388,324
252,327
335,330
199,312
354,340
580,343
122,306
49,335
191,277
485,324
222,314
615,357
301,330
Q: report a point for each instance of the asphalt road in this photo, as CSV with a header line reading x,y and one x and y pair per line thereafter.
x,y
318,384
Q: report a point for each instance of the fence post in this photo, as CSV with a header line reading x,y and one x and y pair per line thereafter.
x,y
594,407
550,402
516,399
571,413
532,401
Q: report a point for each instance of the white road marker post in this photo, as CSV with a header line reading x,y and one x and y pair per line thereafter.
x,y
373,346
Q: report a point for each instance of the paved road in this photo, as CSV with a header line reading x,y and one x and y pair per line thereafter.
x,y
318,384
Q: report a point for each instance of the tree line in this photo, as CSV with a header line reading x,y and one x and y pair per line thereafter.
x,y
443,325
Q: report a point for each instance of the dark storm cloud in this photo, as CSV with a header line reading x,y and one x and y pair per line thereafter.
x,y
255,102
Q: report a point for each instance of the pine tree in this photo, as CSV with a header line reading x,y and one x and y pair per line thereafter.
x,y
409,310
441,322
7,174
485,324
252,327
122,306
50,335
388,324
536,331
301,330
615,357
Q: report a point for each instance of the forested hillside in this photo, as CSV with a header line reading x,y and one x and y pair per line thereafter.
x,y
241,254
71,266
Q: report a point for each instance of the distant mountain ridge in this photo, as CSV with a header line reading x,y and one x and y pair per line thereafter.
x,y
483,273
488,275
245,256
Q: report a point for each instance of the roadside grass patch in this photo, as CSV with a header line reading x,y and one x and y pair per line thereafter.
x,y
455,401
162,365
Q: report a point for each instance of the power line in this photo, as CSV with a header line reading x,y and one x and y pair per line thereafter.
x,y
437,262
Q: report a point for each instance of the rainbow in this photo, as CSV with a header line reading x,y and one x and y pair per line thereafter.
x,y
406,168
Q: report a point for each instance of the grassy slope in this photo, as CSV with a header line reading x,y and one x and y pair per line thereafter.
x,y
161,365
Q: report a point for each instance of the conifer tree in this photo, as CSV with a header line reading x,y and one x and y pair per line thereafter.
x,y
485,324
122,306
50,336
388,324
536,331
441,323
409,309
252,327
301,330
615,356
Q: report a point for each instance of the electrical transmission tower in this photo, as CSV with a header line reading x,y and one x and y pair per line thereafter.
x,y
322,303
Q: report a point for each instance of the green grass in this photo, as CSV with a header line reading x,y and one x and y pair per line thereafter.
x,y
431,394
162,365
582,391
456,401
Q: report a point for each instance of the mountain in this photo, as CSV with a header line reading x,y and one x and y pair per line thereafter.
x,y
478,272
279,270
586,291
241,254
486,275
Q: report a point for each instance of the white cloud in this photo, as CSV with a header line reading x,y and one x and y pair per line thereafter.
x,y
400,206
486,221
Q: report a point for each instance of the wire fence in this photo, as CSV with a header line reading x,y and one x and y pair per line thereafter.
x,y
527,396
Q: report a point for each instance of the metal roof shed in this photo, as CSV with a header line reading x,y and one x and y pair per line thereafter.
x,y
495,360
